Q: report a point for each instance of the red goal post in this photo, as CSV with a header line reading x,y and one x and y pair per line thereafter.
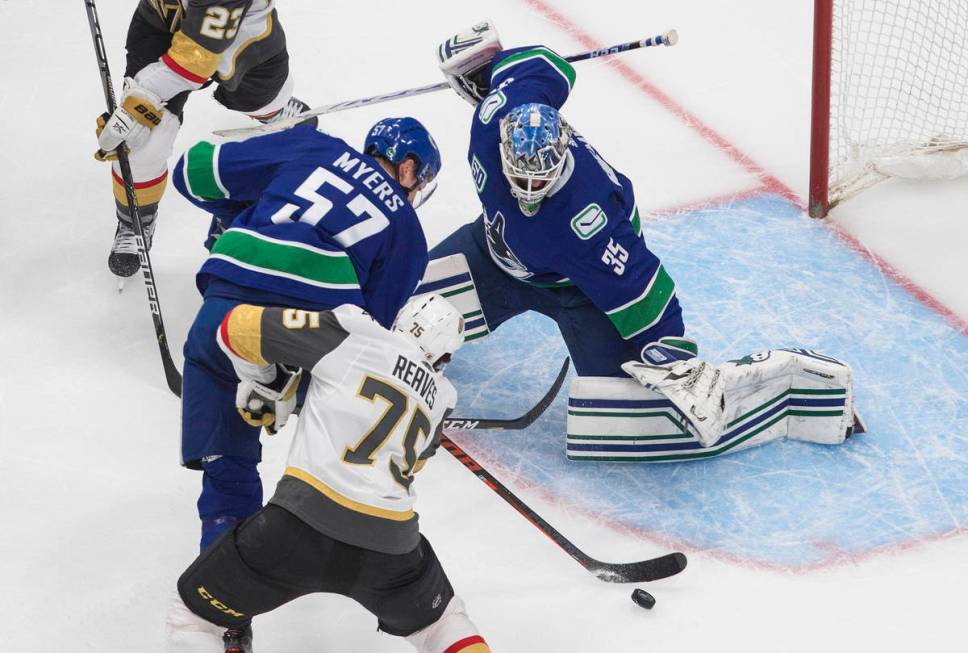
x,y
890,94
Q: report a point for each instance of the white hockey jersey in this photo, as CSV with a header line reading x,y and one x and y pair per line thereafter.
x,y
372,415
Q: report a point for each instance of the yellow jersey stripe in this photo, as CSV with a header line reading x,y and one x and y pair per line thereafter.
x,y
243,333
346,502
192,57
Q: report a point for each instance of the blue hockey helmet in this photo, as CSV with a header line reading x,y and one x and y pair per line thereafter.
x,y
396,139
534,145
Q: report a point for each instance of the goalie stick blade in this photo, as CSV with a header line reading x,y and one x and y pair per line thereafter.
x,y
640,572
523,422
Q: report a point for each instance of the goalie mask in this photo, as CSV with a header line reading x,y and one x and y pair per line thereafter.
x,y
434,325
534,147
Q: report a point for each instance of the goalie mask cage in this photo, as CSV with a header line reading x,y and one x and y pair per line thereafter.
x,y
890,94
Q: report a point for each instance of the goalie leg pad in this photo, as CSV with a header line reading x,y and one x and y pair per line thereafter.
x,y
615,419
450,276
795,393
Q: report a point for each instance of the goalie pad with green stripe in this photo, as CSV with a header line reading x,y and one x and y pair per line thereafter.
x,y
781,393
451,277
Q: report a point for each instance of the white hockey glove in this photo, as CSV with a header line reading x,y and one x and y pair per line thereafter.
x,y
140,109
695,387
465,60
270,400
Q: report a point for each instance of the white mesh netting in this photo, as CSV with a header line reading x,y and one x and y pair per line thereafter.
x,y
899,91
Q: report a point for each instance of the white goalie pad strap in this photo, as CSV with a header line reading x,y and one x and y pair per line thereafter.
x,y
618,419
451,277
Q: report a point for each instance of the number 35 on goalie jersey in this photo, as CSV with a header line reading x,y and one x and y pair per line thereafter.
x,y
372,417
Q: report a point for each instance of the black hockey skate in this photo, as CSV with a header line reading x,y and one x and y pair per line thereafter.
x,y
293,108
238,640
124,260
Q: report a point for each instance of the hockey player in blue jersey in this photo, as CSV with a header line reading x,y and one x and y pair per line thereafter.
x,y
560,234
311,223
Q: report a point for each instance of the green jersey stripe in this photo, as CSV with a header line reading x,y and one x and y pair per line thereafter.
x,y
200,176
290,260
215,175
563,68
561,283
636,222
647,309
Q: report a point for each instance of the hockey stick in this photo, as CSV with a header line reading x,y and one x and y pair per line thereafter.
x,y
610,572
668,38
523,422
172,374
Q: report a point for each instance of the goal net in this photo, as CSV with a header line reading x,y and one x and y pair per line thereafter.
x,y
895,94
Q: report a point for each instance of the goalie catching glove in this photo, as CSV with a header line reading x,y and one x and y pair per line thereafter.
x,y
465,60
269,399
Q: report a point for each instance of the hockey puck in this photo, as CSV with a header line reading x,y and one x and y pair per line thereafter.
x,y
643,599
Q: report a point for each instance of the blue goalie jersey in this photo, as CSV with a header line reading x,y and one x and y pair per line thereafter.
x,y
311,222
587,231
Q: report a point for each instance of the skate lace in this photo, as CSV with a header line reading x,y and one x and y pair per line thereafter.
x,y
126,242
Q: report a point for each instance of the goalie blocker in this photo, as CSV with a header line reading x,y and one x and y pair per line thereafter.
x,y
771,395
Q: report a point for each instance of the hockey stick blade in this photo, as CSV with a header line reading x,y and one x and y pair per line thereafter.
x,y
639,572
523,422
642,571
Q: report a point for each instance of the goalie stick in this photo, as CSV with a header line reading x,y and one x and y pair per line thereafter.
x,y
172,375
523,422
668,38
611,572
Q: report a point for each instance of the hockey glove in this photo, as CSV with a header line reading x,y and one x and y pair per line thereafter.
x,y
140,109
668,350
696,388
269,404
465,60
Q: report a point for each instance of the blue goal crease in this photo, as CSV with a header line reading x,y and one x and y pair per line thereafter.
x,y
758,275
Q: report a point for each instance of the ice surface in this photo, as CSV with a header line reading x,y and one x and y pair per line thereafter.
x,y
753,276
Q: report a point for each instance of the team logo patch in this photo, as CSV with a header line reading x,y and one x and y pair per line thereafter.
x,y
478,173
500,251
749,359
589,222
490,105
